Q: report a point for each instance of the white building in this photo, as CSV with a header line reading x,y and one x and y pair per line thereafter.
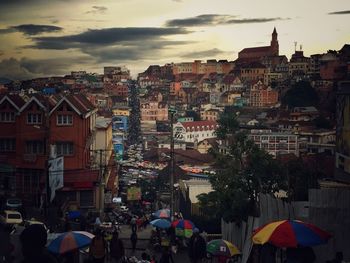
x,y
195,131
276,143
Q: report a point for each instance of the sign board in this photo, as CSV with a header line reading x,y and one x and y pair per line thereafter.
x,y
56,169
134,194
117,200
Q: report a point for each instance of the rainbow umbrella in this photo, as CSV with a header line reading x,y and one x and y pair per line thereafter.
x,y
290,233
183,228
220,247
162,213
69,241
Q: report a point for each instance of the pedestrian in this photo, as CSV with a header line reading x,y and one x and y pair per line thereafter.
x,y
197,247
133,224
166,256
153,259
98,248
144,258
33,240
116,248
133,239
338,257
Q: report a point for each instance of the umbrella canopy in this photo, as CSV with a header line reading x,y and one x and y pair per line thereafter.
x,y
68,241
290,233
161,223
162,213
183,228
220,247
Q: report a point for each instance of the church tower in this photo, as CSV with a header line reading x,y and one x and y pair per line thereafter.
x,y
274,43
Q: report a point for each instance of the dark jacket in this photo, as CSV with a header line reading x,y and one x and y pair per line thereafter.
x,y
197,247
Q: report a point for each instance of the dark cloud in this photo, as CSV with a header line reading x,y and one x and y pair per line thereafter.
x,y
216,19
203,54
25,68
107,36
344,12
31,29
97,10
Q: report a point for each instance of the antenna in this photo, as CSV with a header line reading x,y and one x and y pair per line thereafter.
x,y
301,47
295,46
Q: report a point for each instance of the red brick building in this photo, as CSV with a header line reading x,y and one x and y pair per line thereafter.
x,y
28,128
262,96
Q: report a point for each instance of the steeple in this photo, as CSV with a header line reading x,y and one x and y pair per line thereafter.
x,y
274,43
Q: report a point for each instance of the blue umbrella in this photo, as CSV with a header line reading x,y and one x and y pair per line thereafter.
x,y
69,241
161,223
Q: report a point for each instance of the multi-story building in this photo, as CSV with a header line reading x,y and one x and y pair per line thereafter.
x,y
197,67
299,65
262,96
29,127
195,131
276,143
253,72
154,111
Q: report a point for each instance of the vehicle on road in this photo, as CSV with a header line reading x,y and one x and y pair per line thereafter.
x,y
12,217
13,203
34,222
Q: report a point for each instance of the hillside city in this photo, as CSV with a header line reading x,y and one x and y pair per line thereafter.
x,y
228,145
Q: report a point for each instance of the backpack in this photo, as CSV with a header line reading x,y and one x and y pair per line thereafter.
x,y
98,248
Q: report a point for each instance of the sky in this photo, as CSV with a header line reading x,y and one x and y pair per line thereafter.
x,y
53,37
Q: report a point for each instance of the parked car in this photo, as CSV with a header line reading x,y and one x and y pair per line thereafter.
x,y
124,208
13,203
12,217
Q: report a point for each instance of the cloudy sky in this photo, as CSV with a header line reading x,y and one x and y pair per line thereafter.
x,y
53,37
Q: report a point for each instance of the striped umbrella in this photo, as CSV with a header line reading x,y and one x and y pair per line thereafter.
x,y
69,241
183,228
162,213
290,233
220,247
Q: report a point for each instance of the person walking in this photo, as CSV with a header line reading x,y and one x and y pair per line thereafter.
x,y
98,248
166,256
116,248
133,224
33,240
133,239
197,247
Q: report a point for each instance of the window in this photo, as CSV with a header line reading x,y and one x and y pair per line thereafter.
x,y
64,148
7,144
64,119
34,118
7,117
86,198
34,147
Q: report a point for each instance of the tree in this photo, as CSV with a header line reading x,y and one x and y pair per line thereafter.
x,y
302,94
134,130
241,175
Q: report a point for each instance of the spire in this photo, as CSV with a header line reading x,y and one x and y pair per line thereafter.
x,y
274,31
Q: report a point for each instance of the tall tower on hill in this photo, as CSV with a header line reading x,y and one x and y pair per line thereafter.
x,y
274,43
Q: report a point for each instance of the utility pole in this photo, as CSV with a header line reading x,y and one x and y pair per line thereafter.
x,y
101,185
47,163
172,163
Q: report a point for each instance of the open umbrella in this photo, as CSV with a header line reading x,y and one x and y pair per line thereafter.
x,y
183,227
290,233
220,247
161,223
68,241
162,213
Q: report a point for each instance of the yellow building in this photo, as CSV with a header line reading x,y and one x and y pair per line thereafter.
x,y
121,111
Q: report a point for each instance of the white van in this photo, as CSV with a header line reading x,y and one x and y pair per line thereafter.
x,y
12,217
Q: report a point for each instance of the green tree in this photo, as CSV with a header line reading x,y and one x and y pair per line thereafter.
x,y
302,94
134,130
241,175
